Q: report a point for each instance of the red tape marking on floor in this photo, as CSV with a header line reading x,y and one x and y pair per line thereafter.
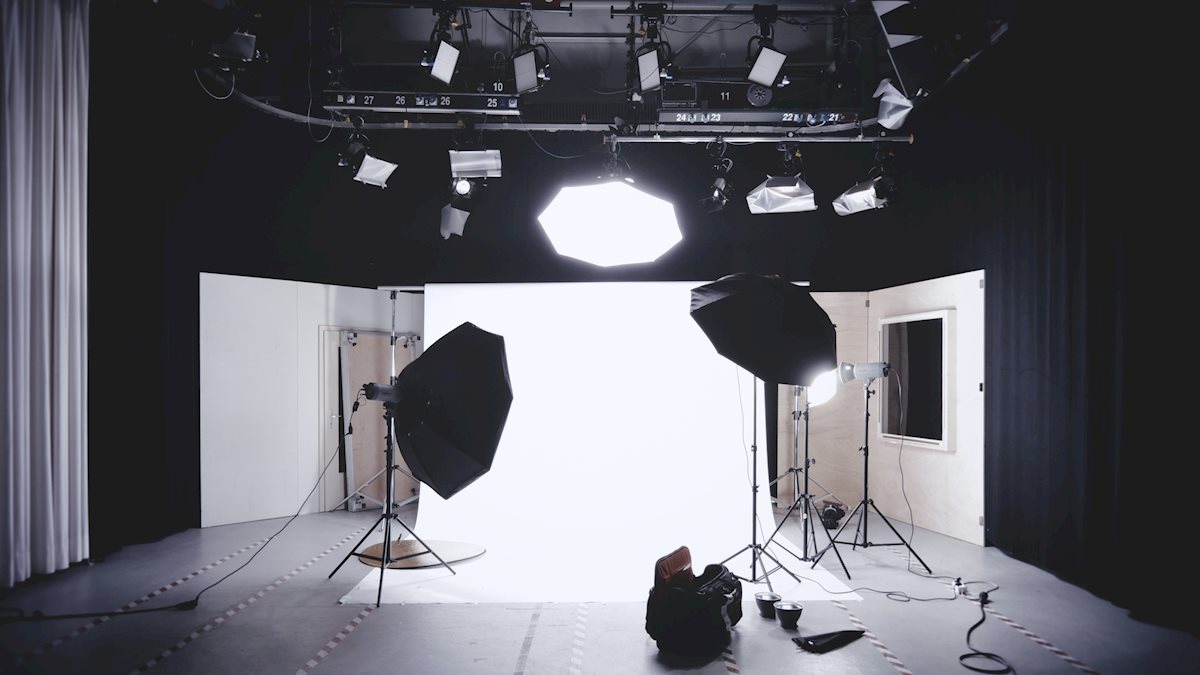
x,y
326,650
233,610
1038,640
883,649
731,665
47,646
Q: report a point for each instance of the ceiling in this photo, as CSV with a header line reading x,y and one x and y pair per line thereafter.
x,y
837,53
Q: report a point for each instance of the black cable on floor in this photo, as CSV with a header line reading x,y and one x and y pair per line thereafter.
x,y
1003,666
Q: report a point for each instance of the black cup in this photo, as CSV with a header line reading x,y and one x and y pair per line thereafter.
x,y
789,613
766,604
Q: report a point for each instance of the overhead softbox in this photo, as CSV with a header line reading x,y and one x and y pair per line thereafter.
x,y
769,326
453,401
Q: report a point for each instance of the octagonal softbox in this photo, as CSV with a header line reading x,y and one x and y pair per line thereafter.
x,y
769,326
453,403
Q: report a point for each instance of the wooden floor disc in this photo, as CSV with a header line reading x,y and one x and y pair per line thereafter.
x,y
450,551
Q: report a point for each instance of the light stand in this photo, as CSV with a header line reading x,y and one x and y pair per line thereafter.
x,y
860,531
758,551
802,500
389,514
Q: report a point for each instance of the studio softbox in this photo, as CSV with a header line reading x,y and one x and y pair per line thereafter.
x,y
453,402
769,326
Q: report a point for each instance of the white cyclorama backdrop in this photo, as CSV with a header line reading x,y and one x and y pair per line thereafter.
x,y
628,437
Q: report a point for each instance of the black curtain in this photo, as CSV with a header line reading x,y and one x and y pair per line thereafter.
x,y
1016,168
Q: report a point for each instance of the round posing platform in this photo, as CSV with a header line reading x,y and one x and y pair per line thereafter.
x,y
450,551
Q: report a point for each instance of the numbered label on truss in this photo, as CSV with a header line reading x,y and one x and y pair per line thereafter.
x,y
412,102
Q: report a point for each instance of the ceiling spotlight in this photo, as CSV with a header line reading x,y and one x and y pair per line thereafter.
x,y
781,194
766,67
444,61
655,60
475,163
768,61
787,193
894,107
531,62
464,197
525,71
721,190
367,169
356,148
873,193
863,196
469,171
454,221
238,47
374,171
445,54
649,70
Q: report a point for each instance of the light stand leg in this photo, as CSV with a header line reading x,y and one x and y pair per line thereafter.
x,y
359,492
862,507
898,536
803,498
389,514
757,551
354,550
385,554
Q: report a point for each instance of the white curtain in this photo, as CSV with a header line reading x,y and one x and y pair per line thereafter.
x,y
43,286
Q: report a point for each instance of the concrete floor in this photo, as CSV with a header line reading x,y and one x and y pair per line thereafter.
x,y
281,615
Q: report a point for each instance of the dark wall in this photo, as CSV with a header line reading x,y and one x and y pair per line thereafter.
x,y
996,180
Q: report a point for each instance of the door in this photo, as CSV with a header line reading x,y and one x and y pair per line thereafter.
x,y
356,358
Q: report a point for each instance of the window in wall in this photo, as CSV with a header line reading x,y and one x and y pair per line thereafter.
x,y
913,404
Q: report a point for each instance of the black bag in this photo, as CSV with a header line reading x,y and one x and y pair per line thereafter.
x,y
693,615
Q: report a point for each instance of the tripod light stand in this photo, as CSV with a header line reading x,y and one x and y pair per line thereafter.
x,y
819,392
758,551
447,410
868,372
779,333
389,514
